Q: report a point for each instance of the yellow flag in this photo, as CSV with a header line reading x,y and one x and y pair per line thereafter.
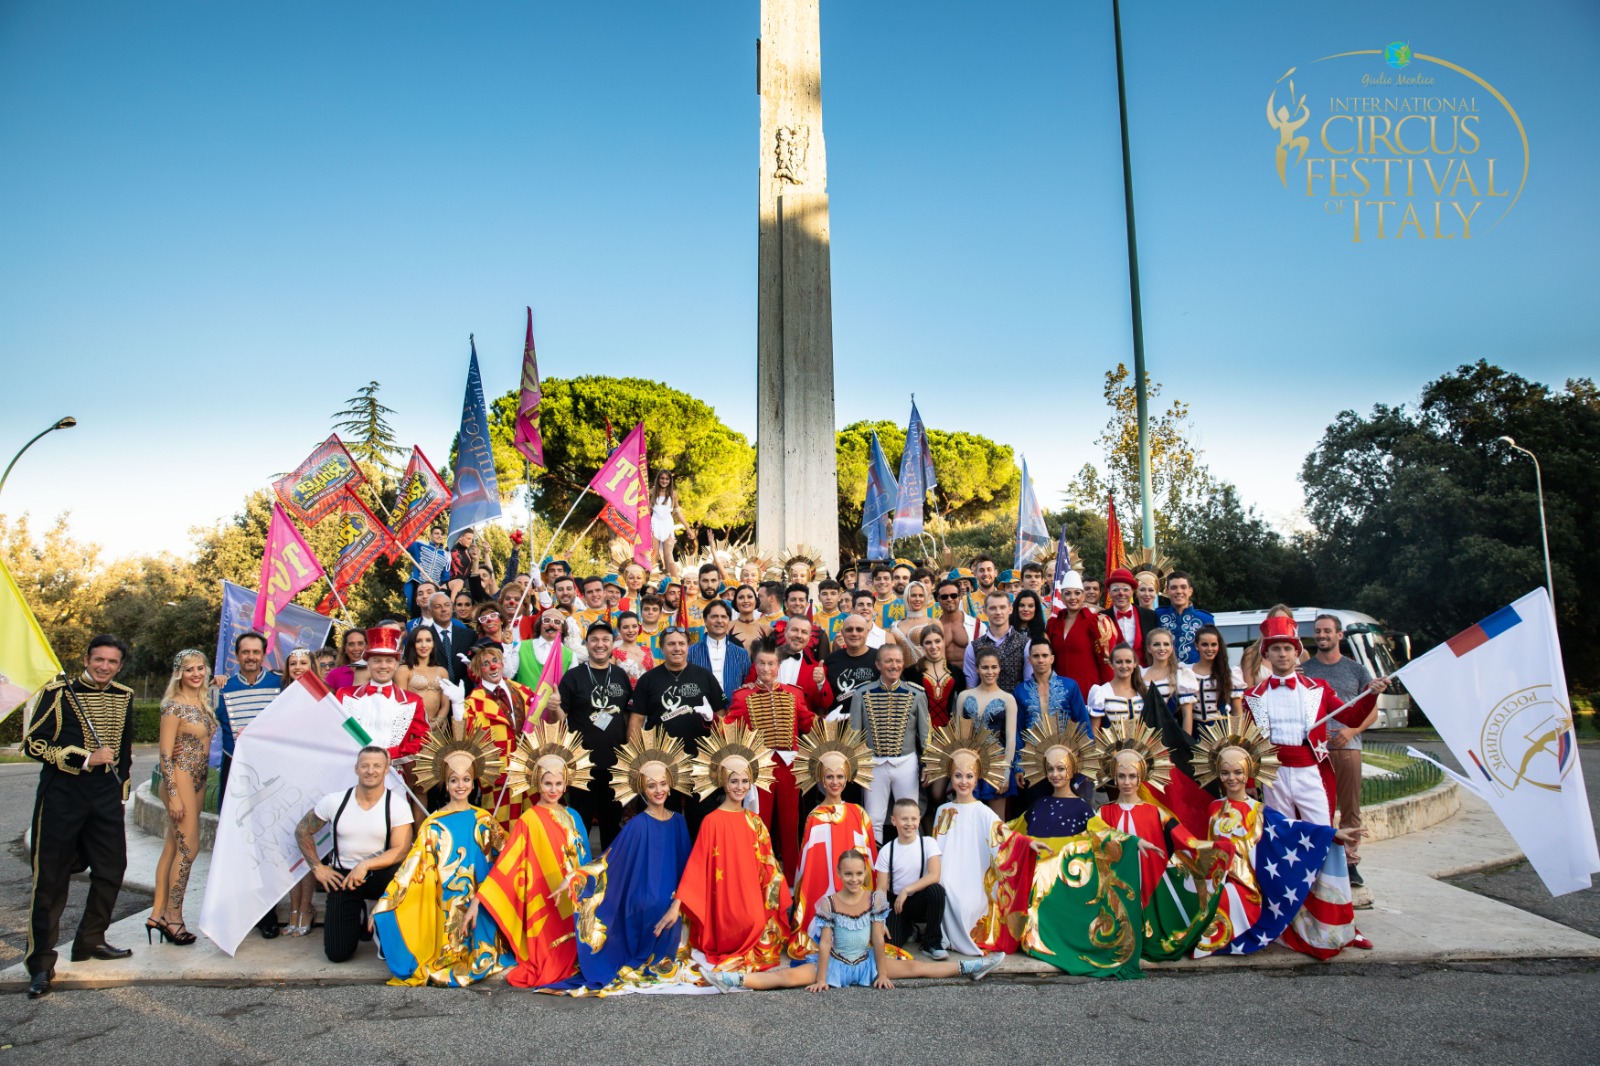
x,y
26,661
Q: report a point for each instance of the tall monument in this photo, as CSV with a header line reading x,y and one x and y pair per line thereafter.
x,y
796,470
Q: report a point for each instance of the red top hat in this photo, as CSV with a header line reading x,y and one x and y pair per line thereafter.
x,y
383,641
1275,630
1121,574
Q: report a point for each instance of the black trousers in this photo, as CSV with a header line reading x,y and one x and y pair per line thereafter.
x,y
346,913
925,907
597,805
77,821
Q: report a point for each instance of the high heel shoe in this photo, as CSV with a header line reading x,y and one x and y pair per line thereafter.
x,y
294,927
179,936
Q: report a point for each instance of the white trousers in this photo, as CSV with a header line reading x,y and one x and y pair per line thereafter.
x,y
1298,793
892,779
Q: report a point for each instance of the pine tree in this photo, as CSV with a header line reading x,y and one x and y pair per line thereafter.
x,y
364,431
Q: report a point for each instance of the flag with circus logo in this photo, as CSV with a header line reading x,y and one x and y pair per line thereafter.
x,y
311,491
422,497
622,482
362,538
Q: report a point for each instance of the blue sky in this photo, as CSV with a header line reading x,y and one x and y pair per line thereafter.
x,y
219,221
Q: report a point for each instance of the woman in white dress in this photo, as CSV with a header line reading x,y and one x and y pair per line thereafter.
x,y
1122,698
965,753
665,515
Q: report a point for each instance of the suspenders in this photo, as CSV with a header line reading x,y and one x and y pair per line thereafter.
x,y
337,864
922,849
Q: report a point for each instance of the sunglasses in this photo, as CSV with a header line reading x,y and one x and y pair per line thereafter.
x,y
674,629
949,595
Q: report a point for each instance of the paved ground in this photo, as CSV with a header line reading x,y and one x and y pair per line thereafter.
x,y
1530,1011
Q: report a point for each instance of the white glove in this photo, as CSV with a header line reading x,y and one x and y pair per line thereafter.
x,y
841,715
456,694
466,660
705,711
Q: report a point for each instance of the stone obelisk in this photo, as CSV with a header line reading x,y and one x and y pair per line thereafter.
x,y
796,470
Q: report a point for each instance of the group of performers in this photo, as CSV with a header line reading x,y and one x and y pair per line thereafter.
x,y
1164,869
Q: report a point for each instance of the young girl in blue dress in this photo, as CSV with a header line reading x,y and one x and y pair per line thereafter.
x,y
849,931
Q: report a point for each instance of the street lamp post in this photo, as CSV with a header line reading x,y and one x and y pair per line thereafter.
x,y
1544,533
65,423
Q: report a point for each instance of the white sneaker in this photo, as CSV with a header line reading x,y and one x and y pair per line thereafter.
x,y
721,980
987,965
936,954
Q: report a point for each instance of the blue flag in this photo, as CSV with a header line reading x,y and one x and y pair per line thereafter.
x,y
877,513
475,490
1031,532
1063,559
296,627
916,478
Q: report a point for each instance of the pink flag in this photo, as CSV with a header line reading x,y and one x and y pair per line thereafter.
x,y
287,565
549,681
622,483
526,436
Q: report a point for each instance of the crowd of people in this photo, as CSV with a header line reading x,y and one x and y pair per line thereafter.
x,y
754,775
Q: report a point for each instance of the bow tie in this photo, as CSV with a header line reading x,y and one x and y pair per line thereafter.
x,y
373,689
1124,614
1274,682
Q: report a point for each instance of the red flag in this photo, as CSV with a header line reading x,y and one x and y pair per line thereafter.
x,y
1116,550
288,565
311,490
422,497
362,538
622,482
526,436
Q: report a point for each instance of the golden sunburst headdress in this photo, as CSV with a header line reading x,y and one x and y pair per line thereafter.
x,y
549,746
653,745
432,765
1142,740
1261,755
801,553
963,735
731,743
1052,733
832,740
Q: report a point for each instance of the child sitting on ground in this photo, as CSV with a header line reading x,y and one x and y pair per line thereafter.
x,y
908,875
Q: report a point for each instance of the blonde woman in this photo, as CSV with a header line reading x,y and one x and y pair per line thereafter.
x,y
1170,680
188,721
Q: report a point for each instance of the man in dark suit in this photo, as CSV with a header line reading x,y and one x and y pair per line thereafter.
x,y
717,617
1134,623
454,639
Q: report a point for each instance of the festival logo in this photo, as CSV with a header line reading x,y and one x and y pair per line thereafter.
x,y
313,489
1394,144
1527,740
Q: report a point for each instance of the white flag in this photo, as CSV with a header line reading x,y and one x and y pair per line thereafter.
x,y
295,752
1497,693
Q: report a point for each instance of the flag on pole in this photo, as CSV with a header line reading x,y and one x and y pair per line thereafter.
x,y
362,538
422,497
27,662
288,565
622,482
1031,532
295,752
311,490
1063,558
297,627
476,496
1116,550
526,436
549,680
916,478
877,511
1497,694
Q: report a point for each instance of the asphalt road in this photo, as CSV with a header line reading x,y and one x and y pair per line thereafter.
x,y
1532,1012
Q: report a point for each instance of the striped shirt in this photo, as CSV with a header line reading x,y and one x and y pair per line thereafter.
x,y
242,701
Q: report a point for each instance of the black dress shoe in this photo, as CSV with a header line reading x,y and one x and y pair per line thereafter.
x,y
268,932
39,986
103,952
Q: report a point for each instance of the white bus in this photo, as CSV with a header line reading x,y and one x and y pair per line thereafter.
x,y
1382,651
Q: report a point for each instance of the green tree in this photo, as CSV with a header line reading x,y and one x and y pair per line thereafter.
x,y
1178,477
1423,518
365,430
979,480
713,465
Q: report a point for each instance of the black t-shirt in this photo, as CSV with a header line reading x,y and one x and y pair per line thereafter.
x,y
669,699
847,672
587,695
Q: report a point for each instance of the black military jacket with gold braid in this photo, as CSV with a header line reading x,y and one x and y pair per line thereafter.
x,y
58,737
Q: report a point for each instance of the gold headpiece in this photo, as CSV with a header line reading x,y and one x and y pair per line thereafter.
x,y
1051,733
653,745
736,741
1143,741
963,735
543,746
1261,755
432,765
835,740
800,553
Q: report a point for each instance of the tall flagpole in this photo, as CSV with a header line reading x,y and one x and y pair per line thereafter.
x,y
1141,399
